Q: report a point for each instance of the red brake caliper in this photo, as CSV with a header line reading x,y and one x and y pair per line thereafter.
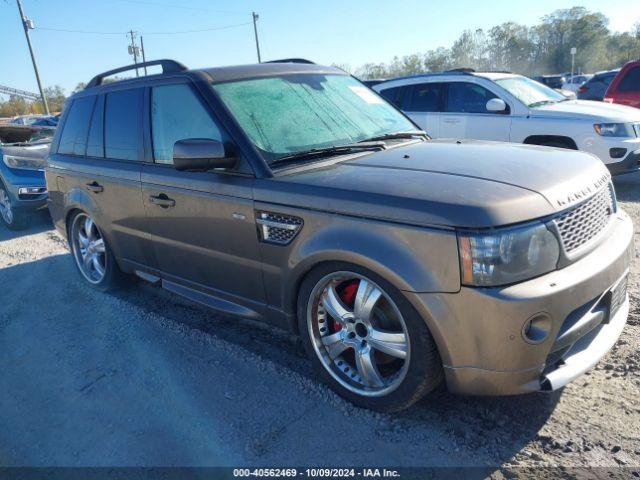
x,y
348,296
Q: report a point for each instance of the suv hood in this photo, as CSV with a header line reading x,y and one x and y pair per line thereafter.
x,y
470,184
588,109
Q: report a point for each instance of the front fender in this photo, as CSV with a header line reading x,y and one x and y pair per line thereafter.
x,y
413,259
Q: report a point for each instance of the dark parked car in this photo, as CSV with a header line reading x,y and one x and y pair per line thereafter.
x,y
36,120
292,194
551,81
625,87
596,86
22,185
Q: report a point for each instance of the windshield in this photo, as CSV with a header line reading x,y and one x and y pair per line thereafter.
x,y
530,92
299,112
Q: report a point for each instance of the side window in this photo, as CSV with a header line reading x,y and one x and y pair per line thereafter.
x,y
464,97
73,140
392,95
424,97
95,143
123,124
177,114
631,81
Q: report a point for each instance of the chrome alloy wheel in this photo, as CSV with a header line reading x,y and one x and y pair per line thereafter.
x,y
6,210
88,248
358,334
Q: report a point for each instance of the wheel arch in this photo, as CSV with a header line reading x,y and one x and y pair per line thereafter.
x,y
404,265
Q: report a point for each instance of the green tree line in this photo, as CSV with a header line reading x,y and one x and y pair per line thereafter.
x,y
541,49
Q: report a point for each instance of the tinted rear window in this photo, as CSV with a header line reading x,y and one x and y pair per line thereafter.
x,y
631,81
424,97
95,143
73,140
122,124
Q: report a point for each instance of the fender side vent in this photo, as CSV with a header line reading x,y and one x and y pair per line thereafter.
x,y
277,228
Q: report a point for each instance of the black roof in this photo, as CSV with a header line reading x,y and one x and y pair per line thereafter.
x,y
219,74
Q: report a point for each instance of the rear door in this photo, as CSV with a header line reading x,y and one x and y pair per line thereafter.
x,y
206,239
97,166
465,114
422,103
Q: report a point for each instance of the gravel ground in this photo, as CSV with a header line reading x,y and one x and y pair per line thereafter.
x,y
144,378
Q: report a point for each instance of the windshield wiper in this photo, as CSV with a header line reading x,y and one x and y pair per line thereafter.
x,y
397,135
328,151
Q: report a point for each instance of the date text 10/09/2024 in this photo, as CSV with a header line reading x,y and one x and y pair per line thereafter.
x,y
317,472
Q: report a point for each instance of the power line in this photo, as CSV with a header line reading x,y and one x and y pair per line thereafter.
x,y
80,31
179,32
200,30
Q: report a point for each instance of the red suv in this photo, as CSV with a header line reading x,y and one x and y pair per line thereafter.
x,y
625,88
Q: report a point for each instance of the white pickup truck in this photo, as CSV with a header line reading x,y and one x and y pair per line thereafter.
x,y
512,108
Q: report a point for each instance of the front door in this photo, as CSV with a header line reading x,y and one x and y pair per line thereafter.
x,y
202,223
465,114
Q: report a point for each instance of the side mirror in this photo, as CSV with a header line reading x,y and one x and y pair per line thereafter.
x,y
200,155
496,105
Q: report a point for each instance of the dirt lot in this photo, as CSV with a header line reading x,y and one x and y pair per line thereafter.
x,y
145,378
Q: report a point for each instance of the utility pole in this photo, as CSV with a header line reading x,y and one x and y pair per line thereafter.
x,y
144,59
255,31
133,49
573,50
28,24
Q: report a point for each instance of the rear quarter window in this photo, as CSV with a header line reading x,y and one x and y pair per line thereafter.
x,y
73,140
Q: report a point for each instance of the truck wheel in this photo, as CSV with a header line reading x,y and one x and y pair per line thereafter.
x,y
12,219
93,257
365,339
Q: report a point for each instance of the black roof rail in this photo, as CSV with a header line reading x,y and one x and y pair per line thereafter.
x,y
460,70
168,66
292,60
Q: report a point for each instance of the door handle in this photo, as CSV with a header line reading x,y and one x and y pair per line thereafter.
x,y
162,201
451,120
95,187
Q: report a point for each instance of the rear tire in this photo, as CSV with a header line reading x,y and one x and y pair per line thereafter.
x,y
11,218
361,356
92,255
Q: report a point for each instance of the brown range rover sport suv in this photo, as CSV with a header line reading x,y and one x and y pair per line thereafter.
x,y
290,193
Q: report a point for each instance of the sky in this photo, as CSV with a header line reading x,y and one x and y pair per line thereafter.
x,y
346,32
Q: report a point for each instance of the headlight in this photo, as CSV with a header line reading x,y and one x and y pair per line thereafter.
x,y
614,129
24,163
508,255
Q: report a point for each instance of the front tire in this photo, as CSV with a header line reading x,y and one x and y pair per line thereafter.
x,y
365,339
92,255
11,218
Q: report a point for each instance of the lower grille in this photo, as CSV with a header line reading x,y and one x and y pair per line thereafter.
x,y
584,222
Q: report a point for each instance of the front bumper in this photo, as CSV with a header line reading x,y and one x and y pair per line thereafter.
x,y
631,163
20,184
479,331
